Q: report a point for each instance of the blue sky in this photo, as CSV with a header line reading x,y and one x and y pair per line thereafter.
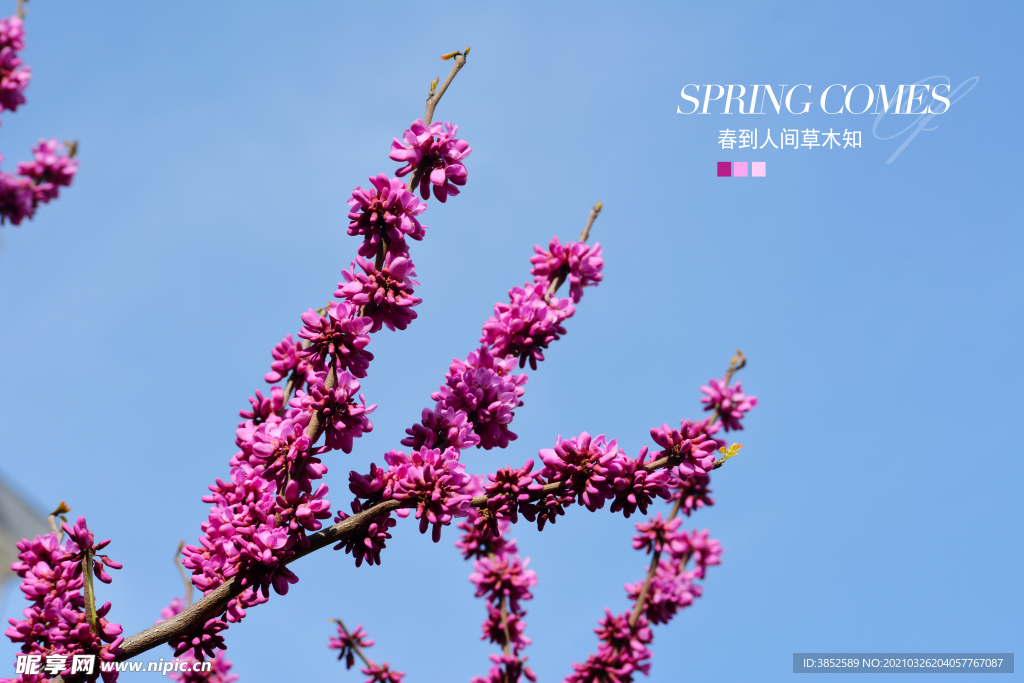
x,y
876,505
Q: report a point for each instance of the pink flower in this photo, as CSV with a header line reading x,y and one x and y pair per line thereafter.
x,y
483,387
586,466
730,402
348,642
340,335
343,417
385,215
436,480
51,169
436,155
387,294
524,327
691,443
577,262
440,428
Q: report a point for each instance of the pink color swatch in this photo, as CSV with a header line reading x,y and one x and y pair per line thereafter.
x,y
757,169
739,169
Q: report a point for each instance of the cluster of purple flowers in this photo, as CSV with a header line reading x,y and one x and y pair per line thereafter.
x,y
729,403
56,626
351,644
624,638
500,576
436,156
38,181
220,671
14,76
577,262
262,513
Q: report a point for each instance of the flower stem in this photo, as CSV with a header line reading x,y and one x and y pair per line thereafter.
x,y
90,595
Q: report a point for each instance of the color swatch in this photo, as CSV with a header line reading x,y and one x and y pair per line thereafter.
x,y
738,169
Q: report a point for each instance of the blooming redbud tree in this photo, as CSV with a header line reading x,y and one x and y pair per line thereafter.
x,y
53,165
271,507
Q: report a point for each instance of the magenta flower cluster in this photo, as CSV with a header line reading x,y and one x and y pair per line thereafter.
x,y
500,576
38,181
14,75
577,262
220,671
729,402
350,644
436,155
56,625
262,513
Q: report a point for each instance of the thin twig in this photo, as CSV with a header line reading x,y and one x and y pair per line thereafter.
x,y
20,11
184,576
432,99
90,595
435,97
585,235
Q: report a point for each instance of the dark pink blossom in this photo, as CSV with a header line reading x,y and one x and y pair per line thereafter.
x,y
691,490
344,418
14,77
635,487
346,643
382,673
504,576
385,295
436,155
385,215
16,199
578,262
286,358
587,466
442,428
526,325
51,169
506,669
730,402
203,642
436,480
341,335
483,387
659,534
691,443
371,541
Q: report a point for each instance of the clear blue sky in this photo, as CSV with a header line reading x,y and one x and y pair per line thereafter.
x,y
877,504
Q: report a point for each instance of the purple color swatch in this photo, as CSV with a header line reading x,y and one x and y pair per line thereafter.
x,y
724,169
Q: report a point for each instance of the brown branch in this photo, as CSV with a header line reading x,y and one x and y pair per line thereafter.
x,y
215,602
585,235
20,11
90,595
432,99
